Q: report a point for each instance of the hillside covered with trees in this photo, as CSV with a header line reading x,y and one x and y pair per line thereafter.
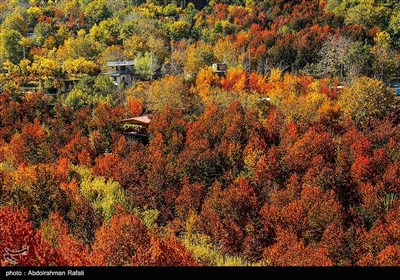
x,y
290,157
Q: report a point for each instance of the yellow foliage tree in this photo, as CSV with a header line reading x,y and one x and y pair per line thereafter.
x,y
366,99
79,67
205,81
104,194
224,52
197,56
46,67
169,91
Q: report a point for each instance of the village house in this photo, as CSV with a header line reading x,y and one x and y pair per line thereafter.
x,y
395,85
220,69
136,129
121,73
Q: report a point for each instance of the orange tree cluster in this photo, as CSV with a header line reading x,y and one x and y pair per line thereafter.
x,y
310,178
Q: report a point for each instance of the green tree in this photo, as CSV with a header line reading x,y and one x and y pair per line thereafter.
x,y
10,48
146,66
97,10
394,24
366,13
78,99
16,21
104,86
360,60
42,31
386,60
81,46
104,193
179,30
33,13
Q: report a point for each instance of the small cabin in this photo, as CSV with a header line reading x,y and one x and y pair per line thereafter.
x,y
69,84
220,68
121,73
136,129
395,85
265,99
30,87
263,104
30,35
397,91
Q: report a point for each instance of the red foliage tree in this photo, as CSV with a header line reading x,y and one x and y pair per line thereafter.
x,y
16,233
226,214
119,240
78,149
290,251
31,145
113,166
299,156
82,218
69,250
134,107
190,199
168,251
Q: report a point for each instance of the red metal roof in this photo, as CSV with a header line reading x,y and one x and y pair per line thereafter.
x,y
145,119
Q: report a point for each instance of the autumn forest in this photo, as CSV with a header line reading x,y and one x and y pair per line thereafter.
x,y
200,133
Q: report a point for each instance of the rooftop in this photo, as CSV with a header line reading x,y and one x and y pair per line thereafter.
x,y
219,67
120,63
145,119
